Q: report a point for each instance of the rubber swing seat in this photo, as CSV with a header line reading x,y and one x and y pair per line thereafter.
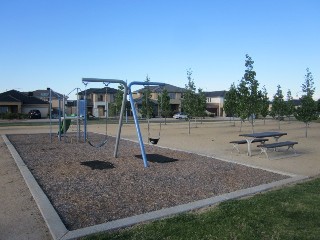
x,y
154,140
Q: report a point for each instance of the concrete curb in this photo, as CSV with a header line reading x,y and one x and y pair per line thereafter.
x,y
52,219
59,231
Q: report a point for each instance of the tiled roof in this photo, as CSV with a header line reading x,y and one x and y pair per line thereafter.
x,y
45,93
16,96
99,91
170,88
215,93
139,101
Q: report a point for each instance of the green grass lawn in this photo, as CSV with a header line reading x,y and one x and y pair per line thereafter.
x,y
289,213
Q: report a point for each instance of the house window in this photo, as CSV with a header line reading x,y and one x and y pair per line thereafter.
x,y
172,95
100,98
209,100
4,109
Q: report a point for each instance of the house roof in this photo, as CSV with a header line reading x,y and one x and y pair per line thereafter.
x,y
170,88
16,96
45,93
139,101
215,93
99,91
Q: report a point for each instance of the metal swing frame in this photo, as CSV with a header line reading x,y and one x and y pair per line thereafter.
x,y
106,111
127,90
86,81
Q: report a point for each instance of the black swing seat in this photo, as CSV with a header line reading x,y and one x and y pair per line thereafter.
x,y
99,145
154,140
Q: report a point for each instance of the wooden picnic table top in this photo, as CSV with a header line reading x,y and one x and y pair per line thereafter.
x,y
263,134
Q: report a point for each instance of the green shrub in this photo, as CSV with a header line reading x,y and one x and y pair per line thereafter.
x,y
12,116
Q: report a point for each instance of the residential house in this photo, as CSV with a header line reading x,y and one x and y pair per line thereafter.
x,y
215,100
14,101
175,94
98,100
45,96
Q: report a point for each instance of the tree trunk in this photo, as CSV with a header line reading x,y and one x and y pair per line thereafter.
x,y
240,124
252,125
306,129
189,125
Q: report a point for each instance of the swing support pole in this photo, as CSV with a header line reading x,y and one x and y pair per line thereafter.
x,y
86,80
135,117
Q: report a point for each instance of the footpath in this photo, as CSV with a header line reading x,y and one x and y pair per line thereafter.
x,y
20,217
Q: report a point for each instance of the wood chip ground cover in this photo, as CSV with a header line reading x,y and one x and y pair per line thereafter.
x,y
88,186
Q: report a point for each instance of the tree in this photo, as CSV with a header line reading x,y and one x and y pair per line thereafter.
x,y
147,104
308,110
164,103
248,93
193,104
201,103
230,102
278,108
118,100
189,103
243,99
264,107
289,105
307,86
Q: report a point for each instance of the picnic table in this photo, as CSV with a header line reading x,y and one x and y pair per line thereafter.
x,y
251,136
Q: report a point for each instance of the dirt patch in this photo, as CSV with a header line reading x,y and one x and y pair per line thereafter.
x,y
88,186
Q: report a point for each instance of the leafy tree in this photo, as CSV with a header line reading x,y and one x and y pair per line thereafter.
x,y
147,104
248,94
307,112
193,104
201,103
230,102
189,97
164,103
243,99
264,108
118,100
308,86
289,105
278,108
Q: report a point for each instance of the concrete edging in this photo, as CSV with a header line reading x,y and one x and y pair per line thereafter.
x,y
51,217
59,231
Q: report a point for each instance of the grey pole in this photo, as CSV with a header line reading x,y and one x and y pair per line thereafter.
x,y
50,112
86,80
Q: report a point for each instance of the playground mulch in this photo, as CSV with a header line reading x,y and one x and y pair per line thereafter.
x,y
88,186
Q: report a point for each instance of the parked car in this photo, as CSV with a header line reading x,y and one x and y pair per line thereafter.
x,y
34,114
180,116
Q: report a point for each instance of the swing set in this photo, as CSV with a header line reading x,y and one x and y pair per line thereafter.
x,y
106,117
127,90
153,140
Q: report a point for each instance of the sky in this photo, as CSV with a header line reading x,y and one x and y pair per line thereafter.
x,y
57,43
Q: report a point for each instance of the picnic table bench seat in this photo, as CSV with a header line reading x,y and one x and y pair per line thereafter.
x,y
243,141
265,147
